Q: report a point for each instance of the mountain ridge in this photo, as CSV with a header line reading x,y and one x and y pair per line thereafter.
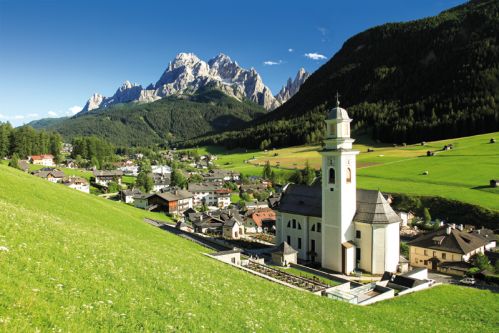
x,y
187,73
169,119
422,80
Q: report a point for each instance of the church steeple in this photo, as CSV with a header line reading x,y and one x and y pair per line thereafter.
x,y
338,192
338,128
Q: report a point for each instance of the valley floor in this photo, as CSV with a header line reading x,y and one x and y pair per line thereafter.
x,y
462,173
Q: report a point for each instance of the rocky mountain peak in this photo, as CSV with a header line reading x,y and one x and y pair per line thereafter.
x,y
186,74
292,86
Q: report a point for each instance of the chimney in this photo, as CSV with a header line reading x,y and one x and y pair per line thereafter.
x,y
453,226
478,231
447,230
460,227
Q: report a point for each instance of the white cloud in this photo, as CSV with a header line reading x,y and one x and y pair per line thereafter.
x,y
272,62
323,31
52,114
18,117
32,115
315,56
74,109
2,116
290,50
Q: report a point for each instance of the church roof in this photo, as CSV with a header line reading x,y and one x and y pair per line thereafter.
x,y
305,200
338,113
284,249
302,200
373,208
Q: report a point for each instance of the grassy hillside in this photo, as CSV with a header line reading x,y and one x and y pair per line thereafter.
x,y
461,174
80,263
422,80
161,122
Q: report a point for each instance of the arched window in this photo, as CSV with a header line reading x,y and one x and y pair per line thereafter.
x,y
294,224
289,224
299,226
313,227
332,176
349,175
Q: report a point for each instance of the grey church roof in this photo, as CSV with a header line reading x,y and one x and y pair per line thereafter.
x,y
338,113
284,249
302,200
372,207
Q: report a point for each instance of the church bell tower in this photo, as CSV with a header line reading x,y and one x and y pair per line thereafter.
x,y
338,193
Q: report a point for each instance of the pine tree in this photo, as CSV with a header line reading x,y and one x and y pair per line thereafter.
x,y
14,161
267,171
144,180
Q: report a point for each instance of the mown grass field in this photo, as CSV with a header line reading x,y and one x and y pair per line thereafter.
x,y
462,173
75,262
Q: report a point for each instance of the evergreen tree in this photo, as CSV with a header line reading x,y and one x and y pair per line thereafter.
x,y
14,161
308,174
5,133
427,216
177,178
267,171
144,180
296,177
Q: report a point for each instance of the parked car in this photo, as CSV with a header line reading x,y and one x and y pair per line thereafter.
x,y
469,281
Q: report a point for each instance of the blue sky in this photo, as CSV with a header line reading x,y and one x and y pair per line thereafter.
x,y
55,54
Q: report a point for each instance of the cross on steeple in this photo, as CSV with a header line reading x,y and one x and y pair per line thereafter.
x,y
337,99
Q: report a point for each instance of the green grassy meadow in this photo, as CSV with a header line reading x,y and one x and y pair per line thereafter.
x,y
75,262
462,173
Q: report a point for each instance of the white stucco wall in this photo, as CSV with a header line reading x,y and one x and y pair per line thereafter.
x,y
338,205
392,247
365,245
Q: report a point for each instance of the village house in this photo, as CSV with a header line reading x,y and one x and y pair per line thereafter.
x,y
104,177
174,202
252,188
70,163
67,148
210,194
128,195
161,169
205,224
45,160
233,229
77,183
160,182
262,219
221,176
406,217
334,223
447,250
488,235
129,168
50,174
257,205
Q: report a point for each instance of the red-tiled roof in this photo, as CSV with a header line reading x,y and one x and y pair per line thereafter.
x,y
262,215
42,157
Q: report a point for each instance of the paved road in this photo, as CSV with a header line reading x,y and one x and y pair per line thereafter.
x,y
448,279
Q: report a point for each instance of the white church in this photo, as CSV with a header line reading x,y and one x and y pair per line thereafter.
x,y
332,222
